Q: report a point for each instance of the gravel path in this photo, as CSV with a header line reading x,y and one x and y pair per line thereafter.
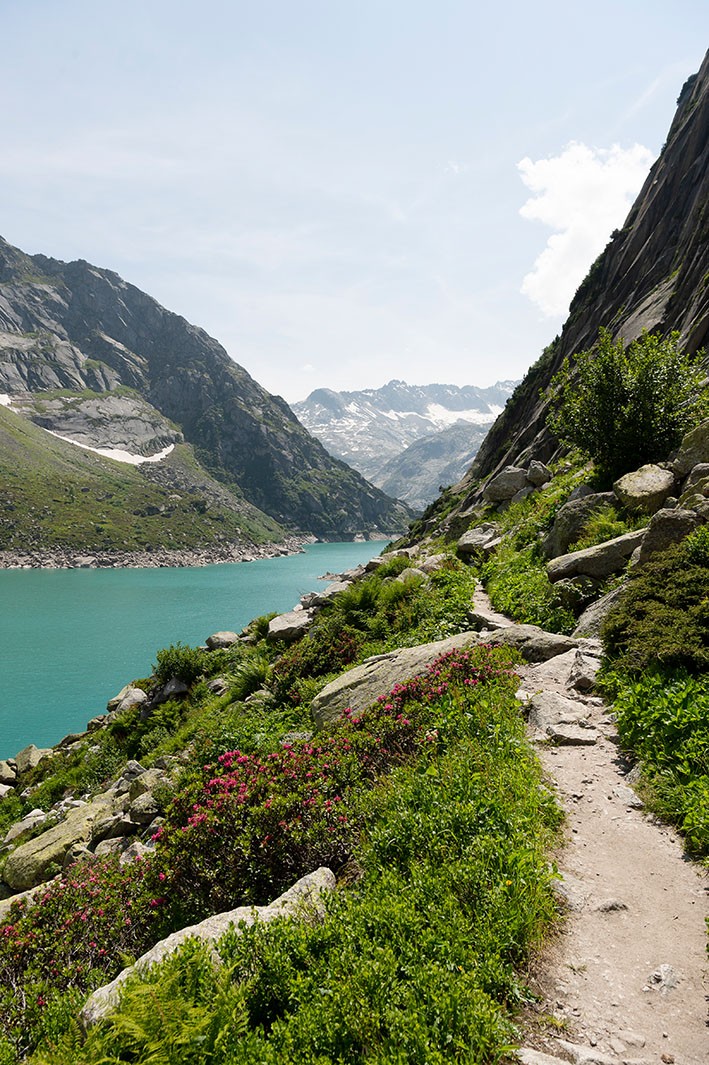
x,y
627,978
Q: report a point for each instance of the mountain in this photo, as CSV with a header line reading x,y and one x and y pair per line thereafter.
x,y
372,428
90,357
432,462
653,275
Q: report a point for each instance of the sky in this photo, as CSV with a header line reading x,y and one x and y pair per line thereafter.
x,y
342,192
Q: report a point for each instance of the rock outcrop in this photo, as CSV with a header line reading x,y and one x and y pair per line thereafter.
x,y
305,900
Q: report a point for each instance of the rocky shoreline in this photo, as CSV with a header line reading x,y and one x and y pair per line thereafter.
x,y
62,558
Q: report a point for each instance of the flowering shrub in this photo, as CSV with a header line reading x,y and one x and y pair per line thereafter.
x,y
76,933
253,823
326,650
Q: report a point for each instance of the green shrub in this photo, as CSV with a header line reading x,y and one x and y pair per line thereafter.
x,y
604,524
623,407
180,662
663,616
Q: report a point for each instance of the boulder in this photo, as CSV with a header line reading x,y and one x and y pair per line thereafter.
x,y
599,561
8,773
221,639
533,643
432,563
28,822
694,449
538,474
31,756
411,573
645,489
133,697
572,518
507,483
218,685
698,475
5,790
560,719
28,864
584,671
358,688
590,622
475,541
667,527
290,626
305,900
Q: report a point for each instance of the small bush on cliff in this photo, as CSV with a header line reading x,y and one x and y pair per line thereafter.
x,y
663,617
624,407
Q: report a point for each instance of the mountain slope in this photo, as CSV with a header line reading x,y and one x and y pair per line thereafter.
x,y
370,428
71,326
59,496
429,463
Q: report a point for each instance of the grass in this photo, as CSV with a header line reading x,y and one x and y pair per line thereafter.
x,y
55,495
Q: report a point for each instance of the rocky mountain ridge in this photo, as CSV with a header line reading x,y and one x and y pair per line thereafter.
x,y
651,276
87,355
372,430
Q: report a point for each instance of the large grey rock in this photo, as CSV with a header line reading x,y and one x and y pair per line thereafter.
x,y
697,478
290,626
694,449
221,639
475,541
28,864
507,483
667,527
133,697
538,474
8,773
30,757
358,688
560,720
533,643
432,563
26,824
590,622
645,489
572,518
306,899
599,561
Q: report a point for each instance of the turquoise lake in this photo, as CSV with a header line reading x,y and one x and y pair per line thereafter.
x,y
70,639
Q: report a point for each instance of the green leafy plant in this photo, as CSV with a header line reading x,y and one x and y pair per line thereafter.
x,y
663,718
624,407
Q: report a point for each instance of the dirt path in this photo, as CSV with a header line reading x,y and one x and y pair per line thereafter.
x,y
627,979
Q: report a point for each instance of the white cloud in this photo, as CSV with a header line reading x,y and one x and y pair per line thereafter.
x,y
583,194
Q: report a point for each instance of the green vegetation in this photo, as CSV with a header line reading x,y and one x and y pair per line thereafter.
x,y
663,718
56,495
623,407
429,804
657,645
605,524
517,583
663,617
417,961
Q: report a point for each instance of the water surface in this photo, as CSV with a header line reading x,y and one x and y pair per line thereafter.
x,y
70,639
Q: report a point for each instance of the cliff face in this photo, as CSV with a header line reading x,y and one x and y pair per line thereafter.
x,y
653,275
71,326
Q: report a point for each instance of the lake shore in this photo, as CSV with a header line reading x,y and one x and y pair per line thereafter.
x,y
63,558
